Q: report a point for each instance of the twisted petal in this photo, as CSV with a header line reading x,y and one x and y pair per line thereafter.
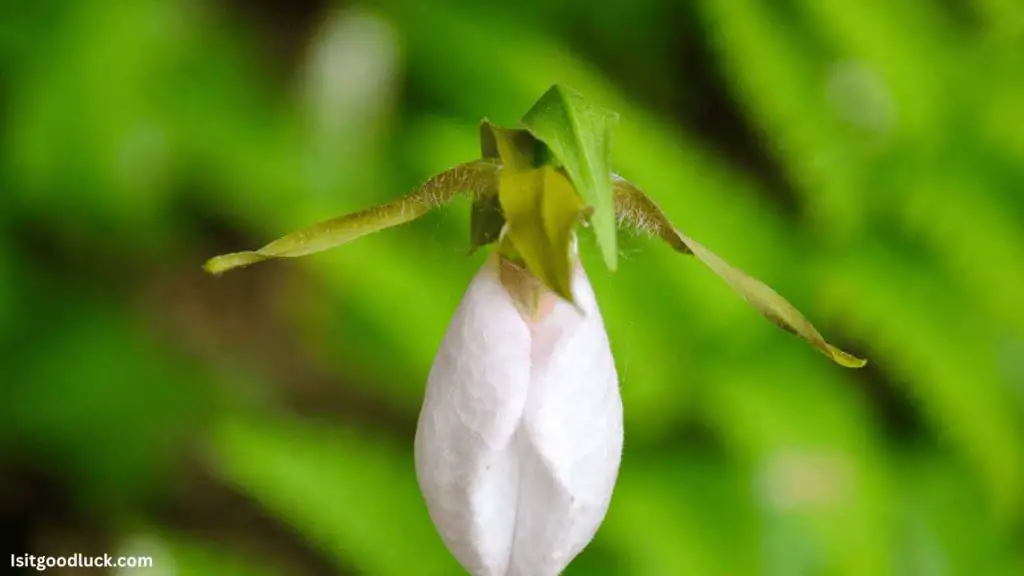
x,y
520,436
633,208
477,179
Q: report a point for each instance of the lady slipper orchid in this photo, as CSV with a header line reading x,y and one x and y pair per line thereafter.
x,y
520,435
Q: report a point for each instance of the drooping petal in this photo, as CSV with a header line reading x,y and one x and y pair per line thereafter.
x,y
520,436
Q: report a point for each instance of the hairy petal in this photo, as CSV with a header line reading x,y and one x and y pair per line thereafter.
x,y
634,209
477,179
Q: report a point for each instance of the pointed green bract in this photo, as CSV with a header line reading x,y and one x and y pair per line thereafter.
x,y
578,134
634,208
478,179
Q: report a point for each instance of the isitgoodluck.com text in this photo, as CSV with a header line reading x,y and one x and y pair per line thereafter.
x,y
43,563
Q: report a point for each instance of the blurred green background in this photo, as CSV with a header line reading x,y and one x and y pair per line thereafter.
x,y
865,158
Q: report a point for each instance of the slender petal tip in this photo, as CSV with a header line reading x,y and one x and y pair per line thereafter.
x,y
225,262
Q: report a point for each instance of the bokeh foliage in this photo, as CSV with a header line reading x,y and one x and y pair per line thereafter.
x,y
866,159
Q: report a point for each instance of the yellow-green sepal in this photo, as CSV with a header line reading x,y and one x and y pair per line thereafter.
x,y
541,209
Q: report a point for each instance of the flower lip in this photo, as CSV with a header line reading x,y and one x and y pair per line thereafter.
x,y
519,439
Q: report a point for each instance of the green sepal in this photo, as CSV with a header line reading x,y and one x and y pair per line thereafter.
x,y
541,209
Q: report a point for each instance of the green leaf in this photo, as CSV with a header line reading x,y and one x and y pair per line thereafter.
x,y
542,208
634,208
478,179
579,135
